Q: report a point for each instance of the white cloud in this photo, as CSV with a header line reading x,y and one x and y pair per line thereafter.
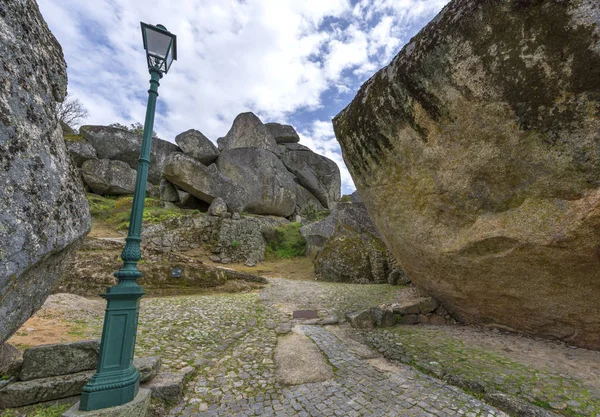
x,y
273,57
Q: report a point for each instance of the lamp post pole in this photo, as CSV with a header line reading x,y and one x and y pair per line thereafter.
x,y
116,380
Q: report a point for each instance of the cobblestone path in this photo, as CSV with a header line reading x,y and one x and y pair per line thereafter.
x,y
358,389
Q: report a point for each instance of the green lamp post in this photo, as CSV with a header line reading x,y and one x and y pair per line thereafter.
x,y
116,380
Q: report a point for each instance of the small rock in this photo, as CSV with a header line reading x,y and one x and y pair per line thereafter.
x,y
362,319
284,328
250,263
225,260
217,207
236,216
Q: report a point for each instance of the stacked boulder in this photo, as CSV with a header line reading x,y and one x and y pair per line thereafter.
x,y
257,168
346,247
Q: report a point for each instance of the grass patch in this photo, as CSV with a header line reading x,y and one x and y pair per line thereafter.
x,y
115,210
285,242
40,411
73,138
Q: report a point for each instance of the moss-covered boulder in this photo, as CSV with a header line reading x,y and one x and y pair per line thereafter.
x,y
345,247
476,152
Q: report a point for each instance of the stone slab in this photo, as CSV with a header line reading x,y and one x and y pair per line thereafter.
x,y
39,390
136,408
59,359
167,386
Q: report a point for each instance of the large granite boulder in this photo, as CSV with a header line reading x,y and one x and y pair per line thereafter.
x,y
283,133
316,173
345,247
271,188
121,145
193,143
204,183
476,154
104,176
43,208
248,131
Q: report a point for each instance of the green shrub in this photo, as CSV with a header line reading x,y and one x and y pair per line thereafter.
x,y
312,213
234,244
285,242
346,198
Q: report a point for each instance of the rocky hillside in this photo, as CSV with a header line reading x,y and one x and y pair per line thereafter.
x,y
257,168
43,209
476,153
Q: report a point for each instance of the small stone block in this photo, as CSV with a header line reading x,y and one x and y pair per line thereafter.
x,y
136,408
167,386
59,359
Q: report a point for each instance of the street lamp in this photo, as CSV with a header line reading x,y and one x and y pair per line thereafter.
x,y
116,380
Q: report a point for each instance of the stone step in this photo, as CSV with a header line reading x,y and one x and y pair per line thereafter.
x,y
34,391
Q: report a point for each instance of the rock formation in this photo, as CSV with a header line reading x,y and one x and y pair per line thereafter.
x,y
43,209
476,154
121,145
316,173
206,183
345,247
260,168
270,187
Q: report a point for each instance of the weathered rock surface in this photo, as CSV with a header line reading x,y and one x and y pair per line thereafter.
x,y
193,143
283,133
476,154
248,131
316,173
205,183
104,176
345,247
80,151
270,186
120,145
43,209
59,359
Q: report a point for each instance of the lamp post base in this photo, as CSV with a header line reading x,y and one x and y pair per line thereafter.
x,y
138,407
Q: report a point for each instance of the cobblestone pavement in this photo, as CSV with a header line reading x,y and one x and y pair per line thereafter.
x,y
559,377
237,378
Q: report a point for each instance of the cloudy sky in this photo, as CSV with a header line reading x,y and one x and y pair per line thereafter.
x,y
291,61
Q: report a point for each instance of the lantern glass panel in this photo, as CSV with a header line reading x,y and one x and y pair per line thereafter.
x,y
158,43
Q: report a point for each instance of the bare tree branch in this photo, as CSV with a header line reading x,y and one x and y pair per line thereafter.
x,y
71,111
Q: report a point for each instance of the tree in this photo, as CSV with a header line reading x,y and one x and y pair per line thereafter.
x,y
71,111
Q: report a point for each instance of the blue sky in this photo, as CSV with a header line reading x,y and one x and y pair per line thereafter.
x,y
288,61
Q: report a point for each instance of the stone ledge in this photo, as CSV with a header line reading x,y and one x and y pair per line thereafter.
x,y
136,408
